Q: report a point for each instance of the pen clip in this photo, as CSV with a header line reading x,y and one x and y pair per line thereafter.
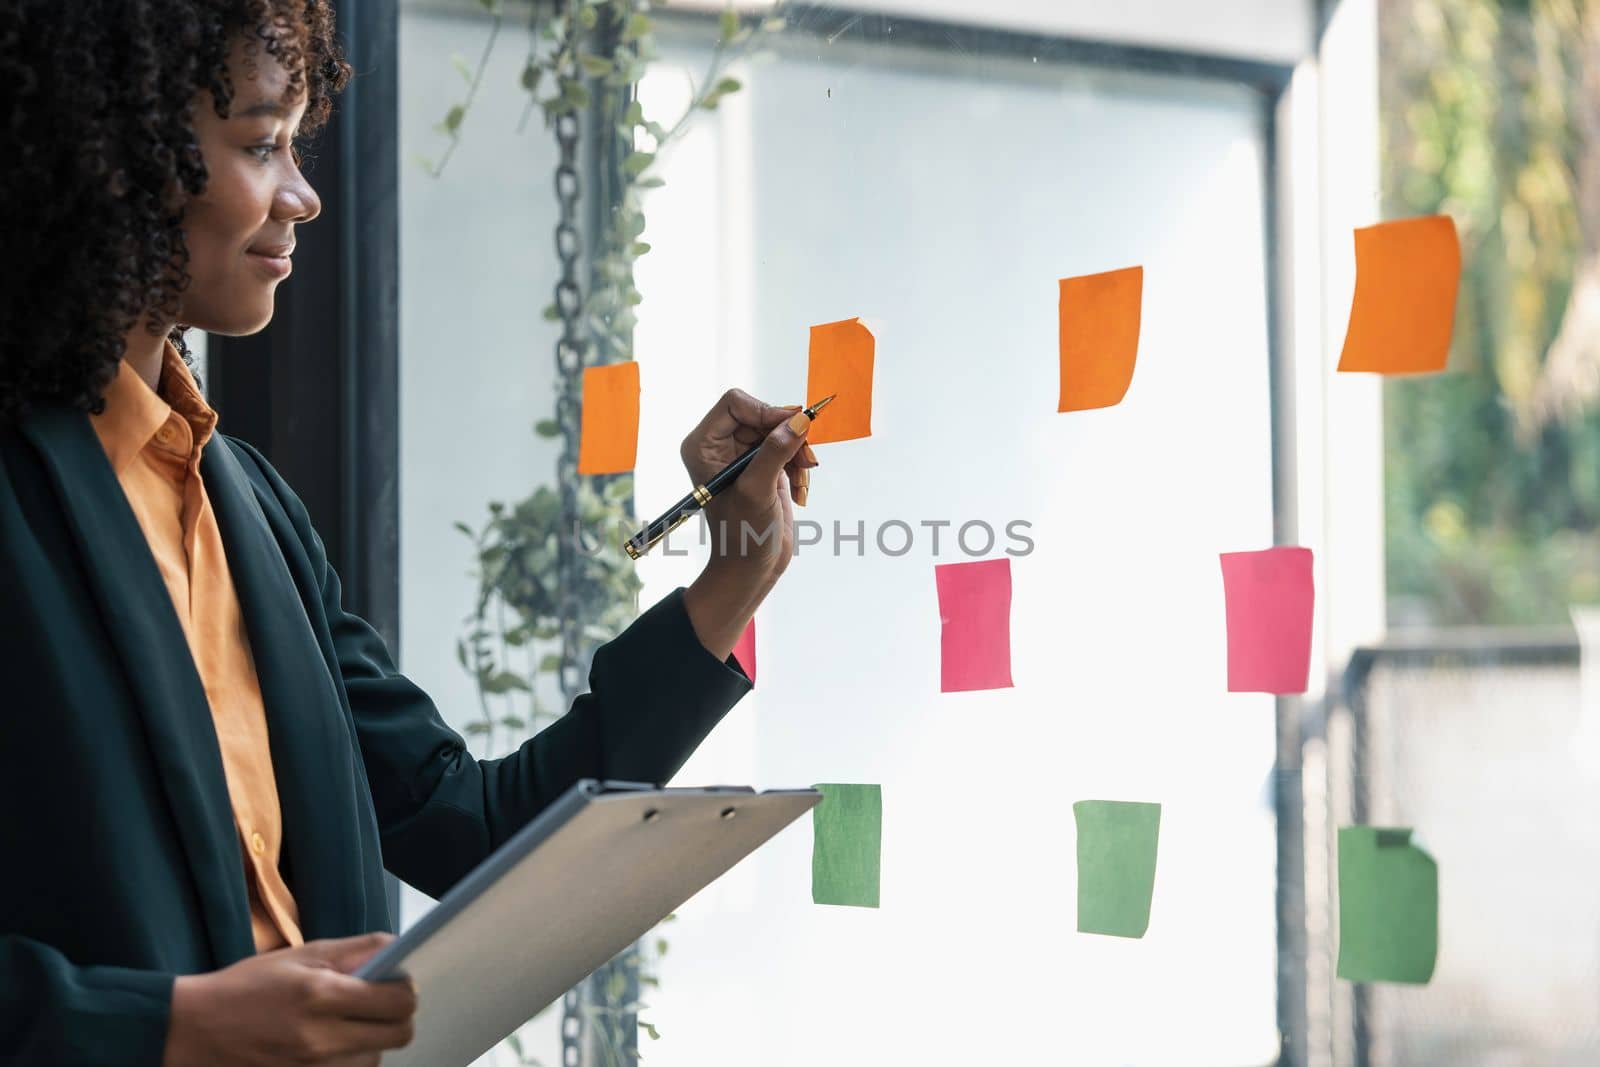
x,y
637,550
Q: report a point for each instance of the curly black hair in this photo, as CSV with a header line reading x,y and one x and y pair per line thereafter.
x,y
100,161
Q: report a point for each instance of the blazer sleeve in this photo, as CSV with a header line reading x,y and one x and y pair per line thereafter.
x,y
655,692
56,1012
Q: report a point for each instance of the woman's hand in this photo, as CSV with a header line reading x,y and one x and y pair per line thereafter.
x,y
752,521
291,1005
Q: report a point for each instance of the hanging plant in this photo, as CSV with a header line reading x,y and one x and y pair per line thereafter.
x,y
544,601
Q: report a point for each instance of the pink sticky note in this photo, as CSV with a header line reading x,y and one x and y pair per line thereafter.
x,y
745,651
975,625
1269,596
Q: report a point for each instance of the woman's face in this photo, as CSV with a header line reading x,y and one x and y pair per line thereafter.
x,y
240,230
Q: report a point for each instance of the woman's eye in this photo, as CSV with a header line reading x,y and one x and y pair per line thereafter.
x,y
263,152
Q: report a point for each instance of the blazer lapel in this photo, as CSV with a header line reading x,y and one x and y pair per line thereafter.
x,y
313,742
160,669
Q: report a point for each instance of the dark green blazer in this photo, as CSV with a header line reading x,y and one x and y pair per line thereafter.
x,y
119,860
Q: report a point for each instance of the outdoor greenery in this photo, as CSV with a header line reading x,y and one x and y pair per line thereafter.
x,y
1491,113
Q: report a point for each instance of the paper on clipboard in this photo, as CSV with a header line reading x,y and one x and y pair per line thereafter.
x,y
583,880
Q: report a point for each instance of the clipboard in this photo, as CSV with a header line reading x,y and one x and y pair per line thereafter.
x,y
579,883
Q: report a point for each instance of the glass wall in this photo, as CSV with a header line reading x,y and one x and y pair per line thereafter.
x,y
939,194
938,191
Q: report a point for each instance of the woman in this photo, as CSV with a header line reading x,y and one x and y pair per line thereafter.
x,y
205,762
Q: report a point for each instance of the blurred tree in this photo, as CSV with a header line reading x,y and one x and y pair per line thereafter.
x,y
1491,113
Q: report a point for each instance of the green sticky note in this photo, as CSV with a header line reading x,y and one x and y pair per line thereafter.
x,y
1116,865
848,831
1388,907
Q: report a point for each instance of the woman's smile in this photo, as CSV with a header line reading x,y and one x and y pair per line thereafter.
x,y
277,266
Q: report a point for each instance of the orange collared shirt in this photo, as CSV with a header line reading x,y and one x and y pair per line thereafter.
x,y
153,440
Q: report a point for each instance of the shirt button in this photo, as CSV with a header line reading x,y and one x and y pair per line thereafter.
x,y
258,842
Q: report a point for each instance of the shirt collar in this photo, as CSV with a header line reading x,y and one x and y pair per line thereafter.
x,y
134,412
178,389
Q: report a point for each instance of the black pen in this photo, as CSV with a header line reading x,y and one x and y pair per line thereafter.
x,y
643,541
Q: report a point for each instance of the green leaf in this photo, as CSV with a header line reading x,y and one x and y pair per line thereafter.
x,y
513,722
551,662
547,428
636,27
504,682
452,119
461,653
575,92
730,24
619,489
640,248
661,946
637,162
634,116
651,182
650,1029
587,17
531,75
463,527
516,1044
595,66
723,87
776,24
463,68
477,727
489,5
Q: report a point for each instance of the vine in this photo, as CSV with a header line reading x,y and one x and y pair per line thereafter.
x,y
583,57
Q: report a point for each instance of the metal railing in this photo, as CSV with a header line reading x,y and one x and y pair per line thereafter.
x,y
1484,743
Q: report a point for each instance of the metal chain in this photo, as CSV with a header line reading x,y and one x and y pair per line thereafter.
x,y
569,384
569,381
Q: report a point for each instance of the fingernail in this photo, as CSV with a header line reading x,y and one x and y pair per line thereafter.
x,y
802,491
791,407
799,423
811,456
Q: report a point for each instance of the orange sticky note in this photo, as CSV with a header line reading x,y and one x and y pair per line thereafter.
x,y
1404,308
1099,337
609,440
841,363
